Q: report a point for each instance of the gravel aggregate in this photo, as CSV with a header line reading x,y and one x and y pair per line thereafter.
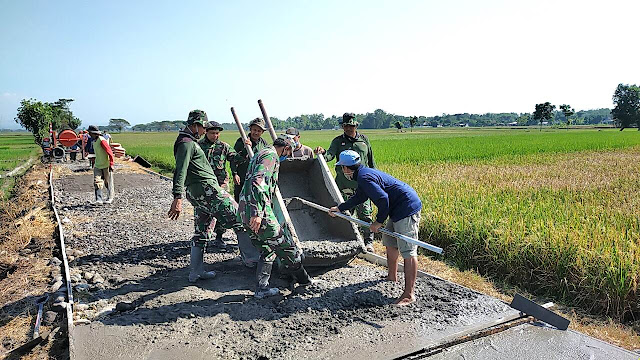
x,y
143,258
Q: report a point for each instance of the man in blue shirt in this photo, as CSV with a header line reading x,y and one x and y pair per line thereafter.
x,y
395,200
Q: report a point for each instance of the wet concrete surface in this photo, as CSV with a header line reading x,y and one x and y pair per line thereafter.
x,y
536,341
324,239
143,258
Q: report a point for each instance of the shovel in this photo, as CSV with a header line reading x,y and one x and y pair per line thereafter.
x,y
366,224
40,302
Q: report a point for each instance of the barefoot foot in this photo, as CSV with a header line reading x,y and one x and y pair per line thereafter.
x,y
405,300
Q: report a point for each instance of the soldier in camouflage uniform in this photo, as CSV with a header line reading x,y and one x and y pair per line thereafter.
x,y
352,140
210,202
217,153
240,162
256,213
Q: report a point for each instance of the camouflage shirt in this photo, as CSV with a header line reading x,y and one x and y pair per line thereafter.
x,y
260,185
192,167
241,161
359,144
218,153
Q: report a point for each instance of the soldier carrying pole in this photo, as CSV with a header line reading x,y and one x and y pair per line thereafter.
x,y
256,213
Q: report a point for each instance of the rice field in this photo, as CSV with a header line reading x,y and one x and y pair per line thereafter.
x,y
556,212
14,150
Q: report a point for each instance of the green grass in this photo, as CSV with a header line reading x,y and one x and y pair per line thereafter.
x,y
15,149
423,146
554,211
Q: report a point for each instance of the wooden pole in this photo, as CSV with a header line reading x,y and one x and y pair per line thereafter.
x,y
278,196
267,120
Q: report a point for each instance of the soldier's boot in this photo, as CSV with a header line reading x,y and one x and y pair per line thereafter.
x,y
197,265
368,240
248,253
263,273
302,277
219,242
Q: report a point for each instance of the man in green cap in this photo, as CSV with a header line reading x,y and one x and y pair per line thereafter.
x,y
217,153
210,202
256,213
351,139
240,162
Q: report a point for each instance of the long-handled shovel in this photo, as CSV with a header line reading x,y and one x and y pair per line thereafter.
x,y
366,224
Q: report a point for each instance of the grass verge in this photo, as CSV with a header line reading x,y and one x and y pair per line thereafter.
x,y
26,245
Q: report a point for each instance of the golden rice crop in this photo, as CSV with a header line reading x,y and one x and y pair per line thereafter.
x,y
555,212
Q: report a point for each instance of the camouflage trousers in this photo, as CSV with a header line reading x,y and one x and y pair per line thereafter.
x,y
272,243
237,189
219,229
362,212
211,208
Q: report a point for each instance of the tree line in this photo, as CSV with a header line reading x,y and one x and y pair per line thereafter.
x,y
35,116
380,119
169,125
625,113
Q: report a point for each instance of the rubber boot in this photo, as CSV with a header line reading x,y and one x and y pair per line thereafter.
x,y
219,242
197,265
248,253
303,278
263,273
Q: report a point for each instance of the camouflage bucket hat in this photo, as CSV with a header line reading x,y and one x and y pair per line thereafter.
x,y
292,131
214,125
197,117
259,123
284,140
349,119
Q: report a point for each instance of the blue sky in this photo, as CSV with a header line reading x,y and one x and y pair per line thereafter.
x,y
154,60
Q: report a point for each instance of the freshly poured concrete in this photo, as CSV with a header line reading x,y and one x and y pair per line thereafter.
x,y
536,341
143,257
325,240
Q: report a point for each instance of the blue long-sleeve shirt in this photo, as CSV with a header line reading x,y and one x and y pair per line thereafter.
x,y
392,197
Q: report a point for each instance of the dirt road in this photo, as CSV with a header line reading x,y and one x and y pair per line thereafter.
x,y
129,255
